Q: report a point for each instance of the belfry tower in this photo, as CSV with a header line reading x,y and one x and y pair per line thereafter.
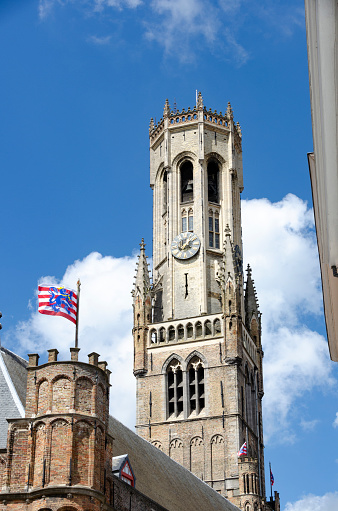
x,y
197,332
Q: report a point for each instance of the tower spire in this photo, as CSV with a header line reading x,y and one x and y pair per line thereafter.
x,y
142,280
251,305
142,311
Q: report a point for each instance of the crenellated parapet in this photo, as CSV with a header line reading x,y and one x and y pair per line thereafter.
x,y
187,118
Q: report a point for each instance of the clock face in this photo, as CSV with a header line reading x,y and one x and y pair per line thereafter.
x,y
185,245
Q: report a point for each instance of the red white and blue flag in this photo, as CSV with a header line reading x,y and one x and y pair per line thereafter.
x,y
242,451
272,479
58,301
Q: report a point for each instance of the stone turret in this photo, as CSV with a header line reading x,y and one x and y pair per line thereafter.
x,y
61,450
142,311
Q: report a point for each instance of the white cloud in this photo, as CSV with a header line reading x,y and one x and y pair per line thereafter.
x,y
327,502
105,323
335,422
309,425
101,41
180,25
46,6
183,28
280,245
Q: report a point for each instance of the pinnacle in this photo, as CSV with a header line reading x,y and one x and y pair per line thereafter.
x,y
142,280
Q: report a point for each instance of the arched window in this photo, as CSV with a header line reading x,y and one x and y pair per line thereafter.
x,y
196,385
171,333
162,334
217,327
187,182
213,172
184,220
153,337
190,331
207,328
180,332
165,191
190,220
214,239
198,329
175,388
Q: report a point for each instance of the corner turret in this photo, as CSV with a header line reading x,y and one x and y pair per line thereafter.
x,y
142,311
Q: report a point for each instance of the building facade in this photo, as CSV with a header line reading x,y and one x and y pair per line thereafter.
x,y
197,328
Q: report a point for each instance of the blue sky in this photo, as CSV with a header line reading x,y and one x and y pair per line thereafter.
x,y
80,80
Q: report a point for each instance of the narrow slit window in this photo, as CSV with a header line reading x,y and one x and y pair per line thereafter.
x,y
190,221
211,230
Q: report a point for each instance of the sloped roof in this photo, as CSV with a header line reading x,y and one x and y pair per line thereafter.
x,y
13,381
162,479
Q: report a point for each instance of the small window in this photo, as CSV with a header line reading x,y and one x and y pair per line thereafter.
x,y
162,334
190,221
171,333
153,337
207,328
180,332
198,329
184,224
196,385
175,389
190,331
214,238
217,327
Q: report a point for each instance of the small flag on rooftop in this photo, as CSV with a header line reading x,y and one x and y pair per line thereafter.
x,y
242,451
58,301
272,479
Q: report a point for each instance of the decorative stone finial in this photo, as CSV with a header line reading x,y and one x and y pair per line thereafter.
x,y
239,129
200,101
151,125
166,110
230,114
142,244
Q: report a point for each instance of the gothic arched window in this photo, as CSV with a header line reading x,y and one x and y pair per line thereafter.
x,y
207,327
175,388
213,173
187,182
165,191
190,330
196,385
171,333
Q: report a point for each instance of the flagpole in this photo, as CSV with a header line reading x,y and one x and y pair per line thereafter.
x,y
270,479
77,314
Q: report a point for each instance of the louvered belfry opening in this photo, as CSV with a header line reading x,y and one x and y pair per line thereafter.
x,y
196,385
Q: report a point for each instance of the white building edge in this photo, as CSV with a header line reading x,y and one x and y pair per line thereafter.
x,y
322,36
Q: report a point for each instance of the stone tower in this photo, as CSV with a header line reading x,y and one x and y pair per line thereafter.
x,y
197,332
59,455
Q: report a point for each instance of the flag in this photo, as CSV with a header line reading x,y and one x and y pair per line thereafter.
x,y
272,479
58,301
242,451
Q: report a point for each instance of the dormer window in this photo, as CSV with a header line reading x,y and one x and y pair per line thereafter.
x,y
121,467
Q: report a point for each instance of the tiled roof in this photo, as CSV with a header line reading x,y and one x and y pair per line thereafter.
x,y
161,478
